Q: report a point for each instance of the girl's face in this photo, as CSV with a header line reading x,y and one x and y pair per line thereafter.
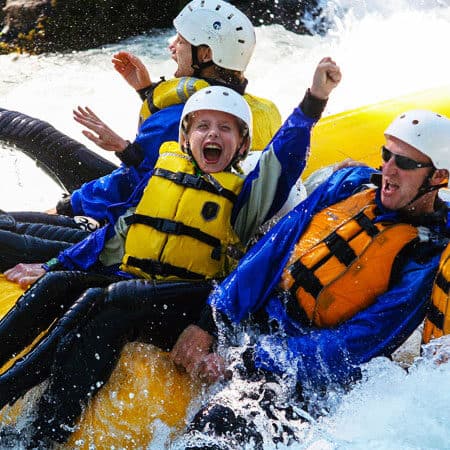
x,y
214,137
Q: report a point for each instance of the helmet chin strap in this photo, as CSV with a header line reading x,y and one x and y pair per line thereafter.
x,y
237,157
196,64
425,188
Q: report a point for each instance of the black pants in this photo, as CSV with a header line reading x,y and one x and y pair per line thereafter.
x,y
32,237
84,346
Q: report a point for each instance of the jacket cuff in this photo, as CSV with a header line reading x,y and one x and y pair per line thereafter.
x,y
207,322
53,264
133,155
313,106
64,206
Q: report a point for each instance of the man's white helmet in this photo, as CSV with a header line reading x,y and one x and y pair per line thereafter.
x,y
218,98
427,131
221,26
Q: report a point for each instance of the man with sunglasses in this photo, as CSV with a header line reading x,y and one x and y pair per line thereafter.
x,y
343,278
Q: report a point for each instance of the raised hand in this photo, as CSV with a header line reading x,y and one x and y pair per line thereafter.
x,y
104,137
132,70
326,77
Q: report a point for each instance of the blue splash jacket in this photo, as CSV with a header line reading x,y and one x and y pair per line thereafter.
x,y
319,356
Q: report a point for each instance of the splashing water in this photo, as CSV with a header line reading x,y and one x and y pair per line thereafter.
x,y
385,49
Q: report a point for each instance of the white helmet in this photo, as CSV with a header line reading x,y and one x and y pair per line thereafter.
x,y
222,27
427,131
218,98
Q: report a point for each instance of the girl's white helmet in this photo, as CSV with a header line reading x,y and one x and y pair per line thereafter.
x,y
218,98
427,131
222,27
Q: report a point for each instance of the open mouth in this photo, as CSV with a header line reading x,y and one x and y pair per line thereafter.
x,y
389,188
211,153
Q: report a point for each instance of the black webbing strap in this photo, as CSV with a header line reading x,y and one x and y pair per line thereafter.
x,y
442,282
154,267
305,278
366,224
195,182
436,317
173,227
340,248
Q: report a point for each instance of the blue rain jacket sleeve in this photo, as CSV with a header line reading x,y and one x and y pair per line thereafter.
x,y
289,149
93,198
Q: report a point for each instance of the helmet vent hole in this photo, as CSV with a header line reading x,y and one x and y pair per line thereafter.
x,y
402,116
230,16
202,3
190,8
218,7
239,29
241,41
415,122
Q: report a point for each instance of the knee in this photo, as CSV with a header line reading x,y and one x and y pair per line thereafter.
x,y
129,295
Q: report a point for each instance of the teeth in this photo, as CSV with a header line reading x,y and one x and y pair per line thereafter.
x,y
213,146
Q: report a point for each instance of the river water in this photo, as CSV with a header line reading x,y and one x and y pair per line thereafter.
x,y
385,49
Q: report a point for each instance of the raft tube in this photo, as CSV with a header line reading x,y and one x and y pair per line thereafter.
x,y
67,161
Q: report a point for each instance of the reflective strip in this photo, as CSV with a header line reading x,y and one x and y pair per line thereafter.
x,y
180,89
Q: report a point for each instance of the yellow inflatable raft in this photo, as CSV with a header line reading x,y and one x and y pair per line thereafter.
x,y
358,133
146,390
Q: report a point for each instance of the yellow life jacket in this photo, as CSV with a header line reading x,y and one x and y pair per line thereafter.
x,y
266,117
343,261
437,323
181,227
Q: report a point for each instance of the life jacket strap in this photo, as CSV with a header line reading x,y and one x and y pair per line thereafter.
x,y
305,278
442,282
177,228
435,316
195,182
339,247
154,267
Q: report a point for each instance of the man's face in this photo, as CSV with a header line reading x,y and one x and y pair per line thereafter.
x,y
181,53
400,186
214,138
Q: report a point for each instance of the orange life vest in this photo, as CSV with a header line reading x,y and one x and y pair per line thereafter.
x,y
343,261
437,322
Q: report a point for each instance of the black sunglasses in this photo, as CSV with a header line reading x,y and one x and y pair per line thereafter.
x,y
402,162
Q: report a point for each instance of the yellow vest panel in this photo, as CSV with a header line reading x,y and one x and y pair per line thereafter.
x,y
182,221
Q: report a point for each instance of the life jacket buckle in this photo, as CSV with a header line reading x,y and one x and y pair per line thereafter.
x,y
170,227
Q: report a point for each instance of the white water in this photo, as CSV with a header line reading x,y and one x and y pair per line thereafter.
x,y
385,49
